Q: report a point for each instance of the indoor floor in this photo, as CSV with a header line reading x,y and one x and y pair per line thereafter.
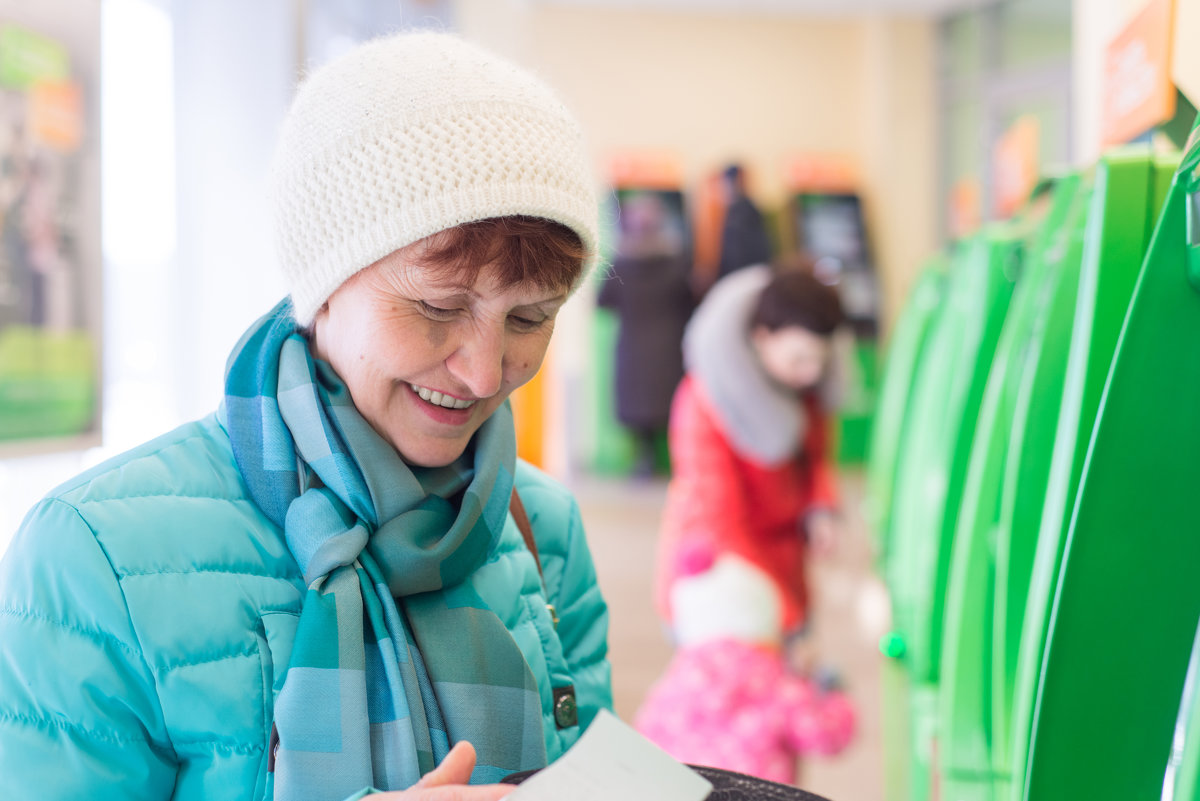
x,y
849,615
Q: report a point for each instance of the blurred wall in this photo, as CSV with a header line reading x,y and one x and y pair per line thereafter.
x,y
712,87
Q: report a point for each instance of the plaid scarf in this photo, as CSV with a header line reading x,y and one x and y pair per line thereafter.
x,y
395,656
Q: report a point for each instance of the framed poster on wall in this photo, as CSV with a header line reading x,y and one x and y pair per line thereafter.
x,y
50,260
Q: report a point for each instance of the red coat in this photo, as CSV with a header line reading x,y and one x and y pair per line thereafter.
x,y
720,501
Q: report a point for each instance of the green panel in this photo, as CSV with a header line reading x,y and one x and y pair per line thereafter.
x,y
48,383
924,764
1182,781
1049,274
855,416
1127,601
1039,379
945,402
27,58
1129,186
896,722
613,448
963,723
908,340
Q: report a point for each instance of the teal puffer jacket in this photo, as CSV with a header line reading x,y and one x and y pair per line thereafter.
x,y
147,610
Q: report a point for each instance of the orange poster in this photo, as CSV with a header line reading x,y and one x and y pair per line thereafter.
x,y
966,207
823,172
1138,92
645,170
56,114
1015,165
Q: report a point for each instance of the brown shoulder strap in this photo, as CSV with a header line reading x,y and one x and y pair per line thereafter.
x,y
522,520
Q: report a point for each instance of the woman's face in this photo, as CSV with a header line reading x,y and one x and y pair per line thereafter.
x,y
427,358
793,356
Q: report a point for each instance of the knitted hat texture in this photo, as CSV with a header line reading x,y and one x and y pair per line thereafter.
x,y
411,134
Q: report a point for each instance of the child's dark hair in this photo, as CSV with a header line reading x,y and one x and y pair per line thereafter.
x,y
794,297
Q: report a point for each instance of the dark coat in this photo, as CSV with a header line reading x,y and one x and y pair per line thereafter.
x,y
653,299
744,239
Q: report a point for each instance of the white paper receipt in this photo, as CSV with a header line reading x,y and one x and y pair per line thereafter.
x,y
612,761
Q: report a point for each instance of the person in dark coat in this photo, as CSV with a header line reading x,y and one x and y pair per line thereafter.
x,y
649,288
744,239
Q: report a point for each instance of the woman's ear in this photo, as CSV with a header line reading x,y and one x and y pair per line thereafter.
x,y
310,332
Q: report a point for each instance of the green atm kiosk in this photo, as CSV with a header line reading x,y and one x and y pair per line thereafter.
x,y
1020,401
1058,342
1127,599
944,403
907,343
1129,186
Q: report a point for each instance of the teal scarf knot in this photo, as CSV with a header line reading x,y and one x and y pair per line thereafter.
x,y
395,659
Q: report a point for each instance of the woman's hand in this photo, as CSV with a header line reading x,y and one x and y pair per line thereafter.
x,y
448,781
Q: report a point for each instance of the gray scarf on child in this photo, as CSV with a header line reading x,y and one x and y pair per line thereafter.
x,y
764,420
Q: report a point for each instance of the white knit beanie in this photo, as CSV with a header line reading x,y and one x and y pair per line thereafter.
x,y
411,134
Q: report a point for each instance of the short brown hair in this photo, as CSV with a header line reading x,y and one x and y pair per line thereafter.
x,y
521,247
795,297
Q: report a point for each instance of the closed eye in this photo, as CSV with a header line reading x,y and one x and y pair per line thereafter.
x,y
525,324
437,312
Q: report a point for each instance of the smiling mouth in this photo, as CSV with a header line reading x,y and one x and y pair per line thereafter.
x,y
439,399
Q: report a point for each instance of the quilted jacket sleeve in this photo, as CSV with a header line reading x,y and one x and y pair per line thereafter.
x,y
79,715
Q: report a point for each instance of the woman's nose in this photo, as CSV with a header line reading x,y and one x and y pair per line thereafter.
x,y
478,362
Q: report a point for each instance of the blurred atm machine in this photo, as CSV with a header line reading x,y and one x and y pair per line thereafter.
x,y
611,448
829,227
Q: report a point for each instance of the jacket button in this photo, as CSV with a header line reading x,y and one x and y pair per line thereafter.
x,y
566,712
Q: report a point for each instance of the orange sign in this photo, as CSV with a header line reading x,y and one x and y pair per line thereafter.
x,y
966,207
826,172
645,170
1138,92
56,114
1015,165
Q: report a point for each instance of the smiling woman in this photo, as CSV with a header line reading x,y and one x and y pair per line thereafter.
x,y
363,612
482,299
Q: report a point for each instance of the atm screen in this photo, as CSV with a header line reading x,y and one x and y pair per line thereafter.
x,y
830,228
646,205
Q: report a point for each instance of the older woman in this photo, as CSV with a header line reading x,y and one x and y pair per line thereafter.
x,y
330,585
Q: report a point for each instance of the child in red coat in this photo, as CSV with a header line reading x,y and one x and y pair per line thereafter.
x,y
748,434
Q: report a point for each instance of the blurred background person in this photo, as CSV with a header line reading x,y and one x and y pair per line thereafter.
x,y
749,433
649,289
744,239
